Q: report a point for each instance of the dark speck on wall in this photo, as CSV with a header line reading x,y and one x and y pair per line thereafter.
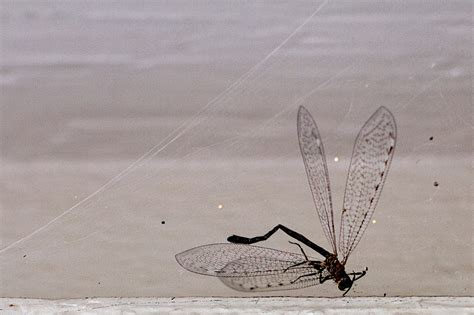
x,y
436,184
163,222
431,138
24,256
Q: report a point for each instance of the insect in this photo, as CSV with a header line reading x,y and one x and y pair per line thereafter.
x,y
246,267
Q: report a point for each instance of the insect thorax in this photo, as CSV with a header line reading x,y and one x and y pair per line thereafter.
x,y
335,268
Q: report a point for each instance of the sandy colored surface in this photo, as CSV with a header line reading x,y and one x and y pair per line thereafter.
x,y
211,92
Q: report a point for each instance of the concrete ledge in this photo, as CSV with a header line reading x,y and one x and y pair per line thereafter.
x,y
274,305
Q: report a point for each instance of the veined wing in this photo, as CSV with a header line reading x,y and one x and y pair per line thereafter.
x,y
251,268
371,157
281,275
312,150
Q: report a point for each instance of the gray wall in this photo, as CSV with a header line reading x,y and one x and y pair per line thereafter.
x,y
126,124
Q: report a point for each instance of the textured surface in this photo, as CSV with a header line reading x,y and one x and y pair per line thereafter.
x,y
415,305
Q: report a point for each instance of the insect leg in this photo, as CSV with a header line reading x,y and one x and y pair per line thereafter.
x,y
315,264
246,240
295,265
357,275
307,275
301,249
322,280
347,290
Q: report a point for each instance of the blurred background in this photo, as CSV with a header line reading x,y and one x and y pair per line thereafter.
x,y
134,130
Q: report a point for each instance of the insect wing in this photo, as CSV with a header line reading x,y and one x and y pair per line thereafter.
x,y
314,159
250,268
281,275
371,158
212,259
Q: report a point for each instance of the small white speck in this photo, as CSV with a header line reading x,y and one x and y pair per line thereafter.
x,y
75,197
318,142
433,65
374,221
220,206
336,159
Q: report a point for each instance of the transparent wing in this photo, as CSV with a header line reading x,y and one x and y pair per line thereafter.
x,y
312,150
212,259
251,268
274,275
371,157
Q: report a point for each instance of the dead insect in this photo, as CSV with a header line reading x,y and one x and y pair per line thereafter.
x,y
244,267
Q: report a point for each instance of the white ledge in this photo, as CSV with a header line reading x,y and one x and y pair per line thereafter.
x,y
272,305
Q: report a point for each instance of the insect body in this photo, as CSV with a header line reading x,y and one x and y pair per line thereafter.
x,y
246,267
